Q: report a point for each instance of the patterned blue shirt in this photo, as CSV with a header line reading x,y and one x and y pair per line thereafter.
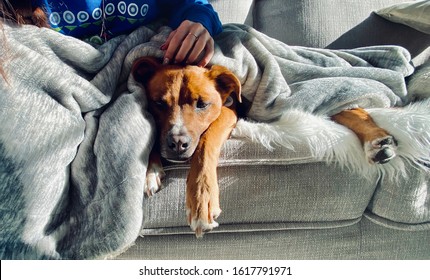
x,y
85,18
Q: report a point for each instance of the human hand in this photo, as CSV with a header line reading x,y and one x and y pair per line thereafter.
x,y
191,42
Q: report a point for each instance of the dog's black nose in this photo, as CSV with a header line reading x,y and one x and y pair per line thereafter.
x,y
178,143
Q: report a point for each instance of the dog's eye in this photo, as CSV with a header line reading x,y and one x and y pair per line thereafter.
x,y
201,105
161,105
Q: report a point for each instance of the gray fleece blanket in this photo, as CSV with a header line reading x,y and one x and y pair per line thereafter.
x,y
75,134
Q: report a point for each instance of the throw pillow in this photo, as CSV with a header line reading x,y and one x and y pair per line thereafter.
x,y
414,14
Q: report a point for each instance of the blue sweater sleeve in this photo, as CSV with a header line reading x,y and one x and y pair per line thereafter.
x,y
195,10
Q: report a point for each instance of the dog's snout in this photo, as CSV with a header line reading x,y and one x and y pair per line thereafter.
x,y
178,143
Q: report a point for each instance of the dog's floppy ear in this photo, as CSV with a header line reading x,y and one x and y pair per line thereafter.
x,y
226,82
143,68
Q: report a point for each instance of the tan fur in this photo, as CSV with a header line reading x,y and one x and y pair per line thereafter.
x,y
187,103
359,121
379,146
186,131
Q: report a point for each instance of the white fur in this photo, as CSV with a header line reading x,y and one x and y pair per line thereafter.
x,y
179,127
334,143
200,226
411,127
154,175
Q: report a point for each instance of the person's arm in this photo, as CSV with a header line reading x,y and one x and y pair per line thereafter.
x,y
195,22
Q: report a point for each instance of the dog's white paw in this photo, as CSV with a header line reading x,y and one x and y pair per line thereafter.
x,y
154,176
381,150
200,226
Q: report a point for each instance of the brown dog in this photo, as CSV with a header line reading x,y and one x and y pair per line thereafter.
x,y
194,110
379,146
194,118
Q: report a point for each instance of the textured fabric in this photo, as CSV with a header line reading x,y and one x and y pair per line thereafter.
x,y
367,240
404,201
333,24
384,222
333,243
112,17
88,18
265,189
414,14
322,139
313,80
234,11
73,158
419,84
312,23
259,187
375,30
381,242
364,240
71,185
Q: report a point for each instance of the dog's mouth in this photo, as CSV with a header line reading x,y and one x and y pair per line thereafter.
x,y
175,157
177,160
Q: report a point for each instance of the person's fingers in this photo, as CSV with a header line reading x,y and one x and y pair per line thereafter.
x,y
193,31
198,48
202,51
190,41
165,45
176,40
209,53
172,45
188,45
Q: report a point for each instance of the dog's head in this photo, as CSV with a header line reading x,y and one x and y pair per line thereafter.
x,y
184,101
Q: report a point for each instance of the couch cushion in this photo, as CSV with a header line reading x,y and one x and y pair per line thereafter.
x,y
404,200
234,11
262,189
365,240
312,23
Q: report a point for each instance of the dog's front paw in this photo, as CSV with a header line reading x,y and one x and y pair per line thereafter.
x,y
381,150
202,206
154,176
202,225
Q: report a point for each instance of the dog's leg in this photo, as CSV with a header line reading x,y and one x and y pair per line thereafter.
x,y
202,201
378,144
154,174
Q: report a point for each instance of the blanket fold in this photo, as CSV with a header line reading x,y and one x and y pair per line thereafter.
x,y
75,134
277,77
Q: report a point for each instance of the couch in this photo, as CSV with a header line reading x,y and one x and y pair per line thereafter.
x,y
283,203
75,138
